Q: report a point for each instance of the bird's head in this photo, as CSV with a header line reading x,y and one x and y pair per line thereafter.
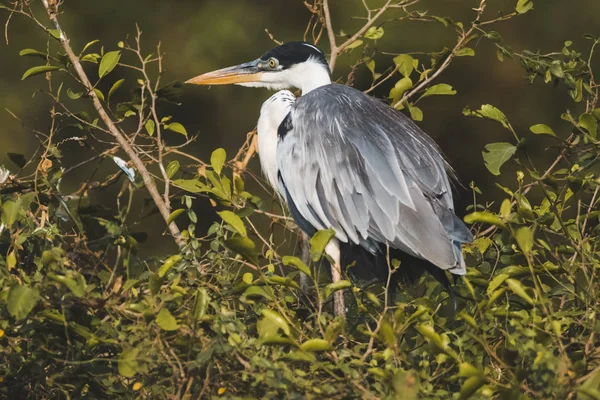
x,y
291,65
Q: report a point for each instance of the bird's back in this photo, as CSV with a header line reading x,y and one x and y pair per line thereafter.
x,y
372,174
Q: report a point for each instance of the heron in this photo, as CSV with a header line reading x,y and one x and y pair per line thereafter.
x,y
344,160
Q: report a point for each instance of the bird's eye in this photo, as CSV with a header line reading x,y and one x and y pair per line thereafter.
x,y
273,62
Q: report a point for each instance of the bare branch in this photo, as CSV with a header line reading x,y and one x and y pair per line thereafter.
x,y
112,128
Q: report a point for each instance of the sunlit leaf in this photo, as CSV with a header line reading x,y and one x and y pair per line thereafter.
x,y
233,220
484,217
168,264
439,89
177,128
296,263
465,51
39,70
150,125
108,63
496,154
374,33
276,319
166,320
217,159
172,168
316,345
318,243
128,364
489,112
115,87
21,300
517,288
541,129
404,64
334,287
523,6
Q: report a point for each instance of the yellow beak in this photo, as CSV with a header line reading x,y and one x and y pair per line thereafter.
x,y
247,72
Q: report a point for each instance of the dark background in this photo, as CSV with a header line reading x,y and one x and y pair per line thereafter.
x,y
199,36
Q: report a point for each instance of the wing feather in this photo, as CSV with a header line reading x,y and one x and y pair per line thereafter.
x,y
351,163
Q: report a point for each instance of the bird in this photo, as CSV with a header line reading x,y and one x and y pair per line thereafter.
x,y
344,160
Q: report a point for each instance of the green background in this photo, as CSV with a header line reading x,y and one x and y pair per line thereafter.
x,y
199,36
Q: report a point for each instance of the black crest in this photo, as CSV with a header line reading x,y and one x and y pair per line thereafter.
x,y
292,53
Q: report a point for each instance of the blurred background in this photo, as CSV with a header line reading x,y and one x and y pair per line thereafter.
x,y
201,35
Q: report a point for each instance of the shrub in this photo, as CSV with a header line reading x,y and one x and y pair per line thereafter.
x,y
83,314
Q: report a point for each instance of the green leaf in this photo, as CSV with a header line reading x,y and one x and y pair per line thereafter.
x,y
441,89
541,129
21,300
318,243
465,51
11,260
72,95
354,44
415,112
108,63
172,168
485,217
168,264
177,128
315,345
400,88
10,212
517,288
150,125
115,87
236,222
276,319
99,94
191,185
247,278
470,386
524,238
39,70
217,159
496,154
490,112
88,45
296,263
589,123
244,247
334,287
128,365
523,6
495,283
374,33
33,53
166,321
404,64
202,300
175,214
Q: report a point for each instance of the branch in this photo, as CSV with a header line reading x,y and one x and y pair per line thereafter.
x,y
51,6
335,49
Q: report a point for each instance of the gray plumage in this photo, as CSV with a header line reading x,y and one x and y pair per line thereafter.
x,y
349,162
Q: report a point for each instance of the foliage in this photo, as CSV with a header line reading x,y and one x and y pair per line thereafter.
x,y
84,314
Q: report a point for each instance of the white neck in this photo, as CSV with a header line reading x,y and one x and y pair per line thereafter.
x,y
309,75
305,76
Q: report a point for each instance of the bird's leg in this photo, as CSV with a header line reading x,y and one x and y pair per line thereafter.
x,y
304,282
333,250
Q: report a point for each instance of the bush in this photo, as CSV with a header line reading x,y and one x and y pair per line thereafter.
x,y
83,314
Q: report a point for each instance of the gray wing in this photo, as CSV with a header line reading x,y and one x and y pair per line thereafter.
x,y
351,163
